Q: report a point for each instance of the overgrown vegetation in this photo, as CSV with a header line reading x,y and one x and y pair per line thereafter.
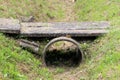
x,y
104,63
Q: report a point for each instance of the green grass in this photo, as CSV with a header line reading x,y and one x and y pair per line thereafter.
x,y
19,64
106,58
105,53
92,10
42,10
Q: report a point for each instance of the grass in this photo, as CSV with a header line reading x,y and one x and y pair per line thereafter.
x,y
105,62
92,10
19,64
105,57
42,10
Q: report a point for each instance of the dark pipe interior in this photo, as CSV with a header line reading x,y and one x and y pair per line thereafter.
x,y
69,58
56,58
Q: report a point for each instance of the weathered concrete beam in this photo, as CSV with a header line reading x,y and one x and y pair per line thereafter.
x,y
54,29
68,25
58,33
9,25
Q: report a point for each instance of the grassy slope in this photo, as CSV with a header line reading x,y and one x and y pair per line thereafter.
x,y
19,64
105,52
42,10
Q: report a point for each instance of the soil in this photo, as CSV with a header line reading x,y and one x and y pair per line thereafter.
x,y
68,7
25,69
1,78
72,74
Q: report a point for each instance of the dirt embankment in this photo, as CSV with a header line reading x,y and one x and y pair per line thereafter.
x,y
68,7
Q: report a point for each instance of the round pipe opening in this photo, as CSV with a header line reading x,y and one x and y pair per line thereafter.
x,y
62,51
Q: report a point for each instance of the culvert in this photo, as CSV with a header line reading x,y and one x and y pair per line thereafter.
x,y
77,55
32,30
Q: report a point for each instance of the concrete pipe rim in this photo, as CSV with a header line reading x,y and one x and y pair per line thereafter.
x,y
57,40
